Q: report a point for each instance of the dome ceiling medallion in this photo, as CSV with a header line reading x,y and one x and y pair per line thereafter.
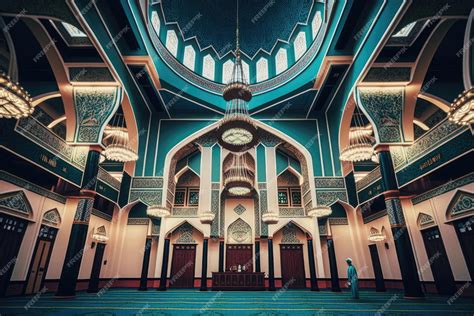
x,y
236,131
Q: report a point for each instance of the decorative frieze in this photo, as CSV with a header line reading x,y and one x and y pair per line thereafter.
x,y
147,197
108,179
102,215
137,221
184,211
291,212
469,178
329,197
147,182
338,221
329,183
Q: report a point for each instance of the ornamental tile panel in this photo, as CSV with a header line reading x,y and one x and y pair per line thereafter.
x,y
147,182
239,209
16,201
329,182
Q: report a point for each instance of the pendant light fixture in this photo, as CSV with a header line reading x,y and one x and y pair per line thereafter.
x,y
15,102
236,131
239,178
360,140
462,109
117,146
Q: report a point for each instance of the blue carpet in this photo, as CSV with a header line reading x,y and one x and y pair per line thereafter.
x,y
192,302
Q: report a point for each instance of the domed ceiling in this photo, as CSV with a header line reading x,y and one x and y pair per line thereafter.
x,y
278,39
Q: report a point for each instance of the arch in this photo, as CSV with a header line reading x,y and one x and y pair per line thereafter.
x,y
460,206
293,172
289,233
301,224
52,218
239,232
191,138
182,172
16,203
184,222
425,220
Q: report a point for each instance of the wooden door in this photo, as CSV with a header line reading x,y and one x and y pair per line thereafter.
x,y
12,230
465,231
439,262
41,255
292,266
240,254
96,267
379,281
182,266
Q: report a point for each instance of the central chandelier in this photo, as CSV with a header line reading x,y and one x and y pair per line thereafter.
x,y
238,178
236,131
15,102
360,141
462,109
320,211
117,146
157,211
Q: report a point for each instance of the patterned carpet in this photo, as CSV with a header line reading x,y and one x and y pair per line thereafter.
x,y
189,302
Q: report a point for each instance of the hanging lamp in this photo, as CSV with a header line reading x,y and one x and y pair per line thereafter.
x,y
320,211
236,131
117,146
15,102
360,141
462,109
238,178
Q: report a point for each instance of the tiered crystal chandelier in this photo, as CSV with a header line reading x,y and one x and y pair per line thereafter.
x,y
320,211
117,146
239,178
462,109
15,102
360,141
236,131
157,211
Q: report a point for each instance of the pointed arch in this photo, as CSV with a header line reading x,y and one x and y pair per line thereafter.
x,y
460,206
16,203
52,218
239,232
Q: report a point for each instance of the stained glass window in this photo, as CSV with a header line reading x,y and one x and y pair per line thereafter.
x,y
300,45
179,197
262,69
316,24
283,197
295,197
172,42
227,71
189,57
208,67
281,60
193,197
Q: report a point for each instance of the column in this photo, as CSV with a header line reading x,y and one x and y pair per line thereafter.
x,y
333,266
145,265
78,236
257,256
312,268
204,265
271,269
221,256
406,258
164,265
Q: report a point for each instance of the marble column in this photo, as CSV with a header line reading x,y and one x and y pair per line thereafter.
x,y
78,235
312,268
164,265
333,266
271,269
406,257
204,265
145,265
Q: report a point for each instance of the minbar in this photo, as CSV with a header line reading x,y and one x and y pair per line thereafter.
x,y
238,281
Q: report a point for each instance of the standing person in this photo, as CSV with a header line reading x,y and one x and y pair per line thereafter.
x,y
353,280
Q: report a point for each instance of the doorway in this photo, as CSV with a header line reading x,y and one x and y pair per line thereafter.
x,y
439,263
465,231
182,266
41,255
292,266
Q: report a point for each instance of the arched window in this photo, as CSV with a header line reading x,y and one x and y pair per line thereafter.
x,y
316,24
289,190
172,42
208,67
189,57
187,190
281,60
300,45
262,69
155,22
227,71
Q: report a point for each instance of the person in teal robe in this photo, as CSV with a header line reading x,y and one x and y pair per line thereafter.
x,y
353,280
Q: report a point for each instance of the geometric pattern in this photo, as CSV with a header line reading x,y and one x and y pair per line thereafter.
x,y
289,235
52,217
93,108
239,209
424,220
83,210
185,233
16,201
461,203
239,232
